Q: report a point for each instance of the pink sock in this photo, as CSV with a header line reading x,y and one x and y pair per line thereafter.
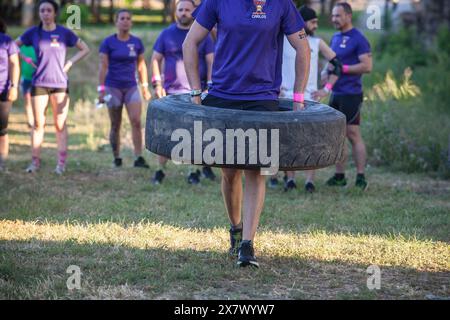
x,y
62,156
36,161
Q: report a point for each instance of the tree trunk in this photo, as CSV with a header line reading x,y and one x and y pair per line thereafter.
x,y
111,11
27,13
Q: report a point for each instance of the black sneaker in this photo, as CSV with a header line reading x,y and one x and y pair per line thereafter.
x,y
290,185
140,163
235,241
194,177
158,177
310,188
361,182
273,183
246,255
208,173
335,182
117,162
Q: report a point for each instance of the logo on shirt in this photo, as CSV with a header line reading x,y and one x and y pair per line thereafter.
x,y
259,13
132,50
54,41
344,41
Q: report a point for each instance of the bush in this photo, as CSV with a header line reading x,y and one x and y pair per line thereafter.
x,y
85,14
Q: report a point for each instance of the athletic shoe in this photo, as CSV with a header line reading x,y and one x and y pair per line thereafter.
x,y
140,163
158,177
207,173
246,255
310,188
32,168
59,170
273,183
361,183
117,162
235,241
194,177
290,185
335,182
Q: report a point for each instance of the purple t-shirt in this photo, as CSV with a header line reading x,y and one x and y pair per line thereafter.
x,y
348,47
197,9
51,48
123,57
249,48
7,48
170,45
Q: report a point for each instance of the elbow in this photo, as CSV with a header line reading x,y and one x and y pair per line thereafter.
x,y
368,69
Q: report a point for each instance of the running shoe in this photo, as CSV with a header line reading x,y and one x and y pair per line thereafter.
x,y
235,241
32,168
273,183
140,163
310,188
117,162
290,185
246,255
158,177
361,182
60,169
207,173
194,177
335,182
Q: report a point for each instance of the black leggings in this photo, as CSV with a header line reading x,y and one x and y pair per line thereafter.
x,y
5,107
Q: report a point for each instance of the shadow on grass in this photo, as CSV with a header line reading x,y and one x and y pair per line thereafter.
x,y
37,270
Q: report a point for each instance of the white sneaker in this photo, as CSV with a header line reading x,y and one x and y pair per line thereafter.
x,y
32,168
59,170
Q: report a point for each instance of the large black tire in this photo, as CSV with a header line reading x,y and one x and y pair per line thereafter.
x,y
309,139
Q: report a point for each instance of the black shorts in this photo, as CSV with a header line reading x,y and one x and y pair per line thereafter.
x,y
41,91
350,105
4,96
250,105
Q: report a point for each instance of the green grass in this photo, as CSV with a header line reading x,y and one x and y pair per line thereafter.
x,y
133,240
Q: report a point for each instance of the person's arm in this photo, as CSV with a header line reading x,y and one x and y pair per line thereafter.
x,y
157,60
103,69
329,80
190,56
83,52
209,63
364,65
299,42
14,75
143,76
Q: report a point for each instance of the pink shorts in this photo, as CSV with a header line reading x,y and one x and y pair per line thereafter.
x,y
119,97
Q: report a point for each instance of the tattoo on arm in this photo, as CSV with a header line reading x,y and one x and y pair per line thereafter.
x,y
302,34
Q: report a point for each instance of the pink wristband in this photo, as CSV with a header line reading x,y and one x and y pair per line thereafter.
x,y
299,97
101,88
28,60
328,86
156,78
345,68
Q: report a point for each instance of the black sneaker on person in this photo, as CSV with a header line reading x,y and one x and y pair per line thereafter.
x,y
235,241
140,163
336,181
194,177
273,183
361,182
246,255
208,173
158,177
310,188
117,162
290,185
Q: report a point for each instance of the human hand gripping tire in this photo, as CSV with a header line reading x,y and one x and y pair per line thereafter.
x,y
196,100
146,93
297,106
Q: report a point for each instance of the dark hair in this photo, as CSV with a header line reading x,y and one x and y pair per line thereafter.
x,y
52,2
122,11
179,1
3,26
347,8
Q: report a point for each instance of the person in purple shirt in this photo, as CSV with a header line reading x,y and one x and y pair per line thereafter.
x,y
50,81
353,50
9,83
247,76
168,48
121,55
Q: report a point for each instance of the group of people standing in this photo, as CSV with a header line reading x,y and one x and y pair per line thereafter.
x,y
226,48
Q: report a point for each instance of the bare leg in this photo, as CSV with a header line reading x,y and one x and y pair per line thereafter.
x,y
29,109
115,115
232,194
60,107
310,175
134,114
254,195
358,147
5,107
39,104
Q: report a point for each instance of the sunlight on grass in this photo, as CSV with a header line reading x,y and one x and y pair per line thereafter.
x,y
431,256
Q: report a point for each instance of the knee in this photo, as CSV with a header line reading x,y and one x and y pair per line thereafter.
x,y
38,126
136,123
231,176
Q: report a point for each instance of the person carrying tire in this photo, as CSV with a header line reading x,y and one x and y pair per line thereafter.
x,y
9,82
50,81
121,55
317,46
168,49
246,76
354,51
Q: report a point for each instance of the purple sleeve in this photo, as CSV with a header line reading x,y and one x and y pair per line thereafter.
x,y
197,9
12,48
363,46
27,37
207,15
71,39
141,48
104,48
291,21
159,44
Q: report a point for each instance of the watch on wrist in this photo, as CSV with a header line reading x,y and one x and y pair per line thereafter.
x,y
196,93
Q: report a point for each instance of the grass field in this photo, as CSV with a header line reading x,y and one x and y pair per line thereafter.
x,y
133,240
